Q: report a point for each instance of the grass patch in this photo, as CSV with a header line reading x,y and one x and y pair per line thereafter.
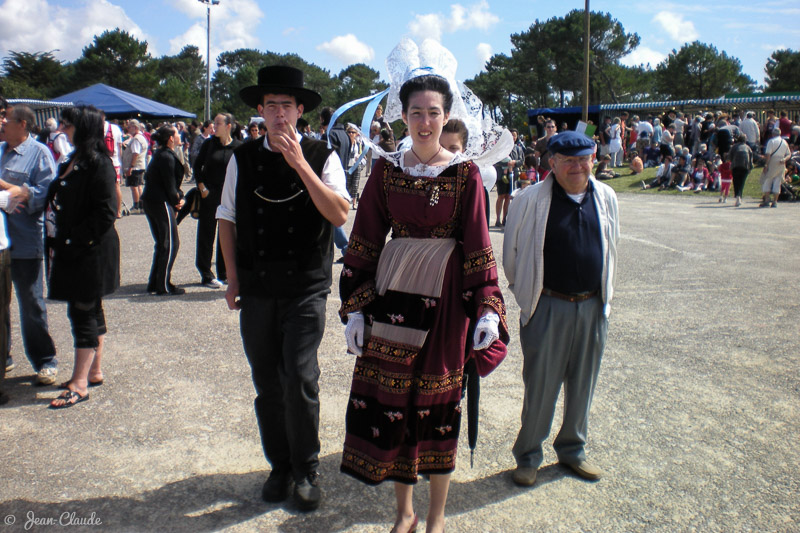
x,y
633,183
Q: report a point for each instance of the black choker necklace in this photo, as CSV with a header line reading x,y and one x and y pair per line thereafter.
x,y
429,160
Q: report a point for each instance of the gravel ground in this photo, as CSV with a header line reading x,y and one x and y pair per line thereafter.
x,y
695,416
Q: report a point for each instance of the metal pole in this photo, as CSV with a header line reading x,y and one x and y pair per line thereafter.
x,y
585,114
208,61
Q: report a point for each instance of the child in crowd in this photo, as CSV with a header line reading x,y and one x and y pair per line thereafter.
x,y
636,163
725,179
698,175
604,172
531,163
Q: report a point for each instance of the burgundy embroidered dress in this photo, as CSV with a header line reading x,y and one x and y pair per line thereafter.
x,y
417,293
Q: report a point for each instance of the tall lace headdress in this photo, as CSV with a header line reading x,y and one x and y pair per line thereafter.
x,y
488,142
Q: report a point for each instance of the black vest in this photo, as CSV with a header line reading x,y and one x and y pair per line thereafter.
x,y
284,246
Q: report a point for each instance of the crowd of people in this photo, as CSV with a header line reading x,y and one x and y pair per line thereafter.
x,y
420,311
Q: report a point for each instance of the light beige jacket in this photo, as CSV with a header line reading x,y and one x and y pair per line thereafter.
x,y
523,245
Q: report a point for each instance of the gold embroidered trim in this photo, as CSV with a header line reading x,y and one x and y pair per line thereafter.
x,y
401,467
360,247
479,261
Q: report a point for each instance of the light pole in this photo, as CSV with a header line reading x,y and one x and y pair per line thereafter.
x,y
208,4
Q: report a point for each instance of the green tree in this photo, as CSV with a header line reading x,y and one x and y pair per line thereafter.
x,y
181,80
38,73
118,59
783,71
698,70
546,66
355,81
239,68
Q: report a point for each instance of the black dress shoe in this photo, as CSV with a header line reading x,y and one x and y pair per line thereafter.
x,y
306,492
277,487
175,291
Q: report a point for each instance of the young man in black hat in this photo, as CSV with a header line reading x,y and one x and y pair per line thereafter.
x,y
559,256
281,201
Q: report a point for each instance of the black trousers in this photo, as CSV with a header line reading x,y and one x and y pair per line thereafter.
x,y
161,217
206,231
739,177
5,308
281,337
88,322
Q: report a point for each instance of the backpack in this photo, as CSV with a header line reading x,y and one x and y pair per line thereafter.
x,y
109,139
51,145
740,157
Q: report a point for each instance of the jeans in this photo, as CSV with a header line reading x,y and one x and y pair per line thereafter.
x,y
5,305
340,239
26,274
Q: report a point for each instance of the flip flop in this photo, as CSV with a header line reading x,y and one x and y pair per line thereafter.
x,y
65,385
68,399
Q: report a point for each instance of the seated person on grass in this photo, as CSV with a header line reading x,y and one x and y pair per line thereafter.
x,y
663,176
603,171
636,163
651,156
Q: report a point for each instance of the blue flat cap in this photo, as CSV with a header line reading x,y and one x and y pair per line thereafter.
x,y
570,143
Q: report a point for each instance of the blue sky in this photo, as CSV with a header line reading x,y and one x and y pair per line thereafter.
x,y
335,34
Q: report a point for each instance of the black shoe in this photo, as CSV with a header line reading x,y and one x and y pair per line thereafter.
x,y
277,486
306,492
175,291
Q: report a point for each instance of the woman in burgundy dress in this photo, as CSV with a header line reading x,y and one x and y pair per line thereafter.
x,y
407,303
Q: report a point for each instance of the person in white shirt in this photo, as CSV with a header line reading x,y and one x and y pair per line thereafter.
x,y
135,159
283,196
113,140
57,141
776,154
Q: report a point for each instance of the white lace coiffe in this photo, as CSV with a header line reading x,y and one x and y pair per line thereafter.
x,y
488,142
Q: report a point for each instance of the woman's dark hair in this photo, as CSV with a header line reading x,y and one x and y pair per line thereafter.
x,y
229,120
89,136
386,134
530,161
427,83
236,129
459,128
162,134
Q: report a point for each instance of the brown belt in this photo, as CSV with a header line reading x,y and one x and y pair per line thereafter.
x,y
579,297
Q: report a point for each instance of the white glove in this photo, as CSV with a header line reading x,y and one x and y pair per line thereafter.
x,y
486,328
354,332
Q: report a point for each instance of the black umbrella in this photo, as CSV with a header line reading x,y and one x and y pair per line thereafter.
x,y
472,388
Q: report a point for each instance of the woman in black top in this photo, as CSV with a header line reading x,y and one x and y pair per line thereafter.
x,y
162,198
209,172
82,245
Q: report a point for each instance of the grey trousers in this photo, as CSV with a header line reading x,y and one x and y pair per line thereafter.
x,y
562,343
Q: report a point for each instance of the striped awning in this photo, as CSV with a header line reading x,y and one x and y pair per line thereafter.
x,y
43,109
721,102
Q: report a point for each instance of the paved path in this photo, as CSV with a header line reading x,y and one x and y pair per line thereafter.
x,y
695,418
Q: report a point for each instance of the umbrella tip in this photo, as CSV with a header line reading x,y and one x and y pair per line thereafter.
x,y
471,458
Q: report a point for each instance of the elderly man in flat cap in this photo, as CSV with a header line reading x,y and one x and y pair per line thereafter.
x,y
283,196
559,256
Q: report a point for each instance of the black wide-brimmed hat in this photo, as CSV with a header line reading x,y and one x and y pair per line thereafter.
x,y
279,79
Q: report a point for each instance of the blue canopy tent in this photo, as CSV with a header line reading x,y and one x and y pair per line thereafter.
x,y
118,103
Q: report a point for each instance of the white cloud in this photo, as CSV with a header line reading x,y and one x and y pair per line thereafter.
x,y
232,24
427,26
432,25
42,27
675,26
348,49
773,47
643,55
484,52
